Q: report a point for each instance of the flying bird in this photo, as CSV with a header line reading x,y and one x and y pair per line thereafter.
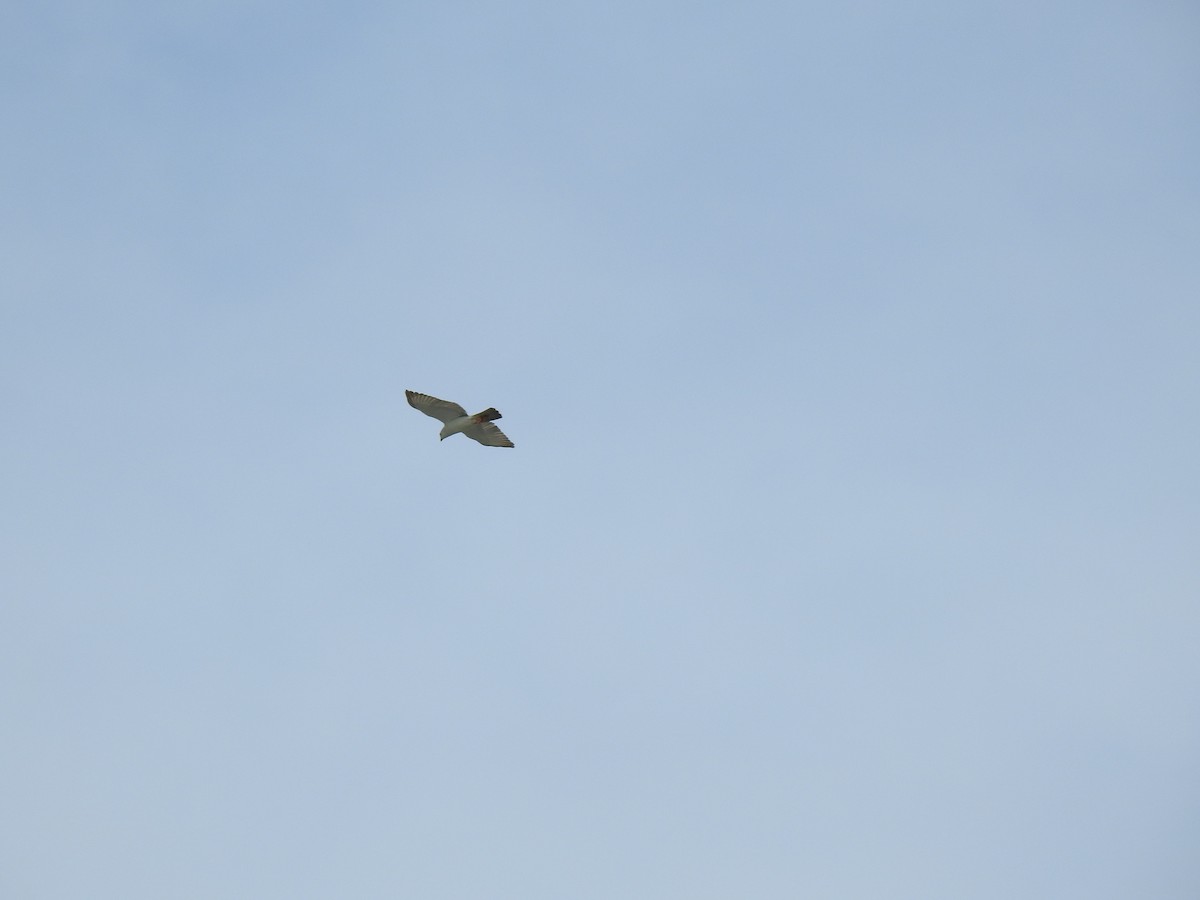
x,y
478,427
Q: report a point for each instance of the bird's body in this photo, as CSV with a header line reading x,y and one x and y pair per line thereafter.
x,y
455,420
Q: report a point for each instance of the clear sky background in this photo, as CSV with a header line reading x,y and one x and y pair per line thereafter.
x,y
850,547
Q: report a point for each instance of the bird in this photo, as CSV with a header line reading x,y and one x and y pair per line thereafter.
x,y
478,427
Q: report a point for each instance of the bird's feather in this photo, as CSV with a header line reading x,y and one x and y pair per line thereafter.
x,y
442,410
488,435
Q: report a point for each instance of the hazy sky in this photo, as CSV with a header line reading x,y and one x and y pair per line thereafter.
x,y
850,548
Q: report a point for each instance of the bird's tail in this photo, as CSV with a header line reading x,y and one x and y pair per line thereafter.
x,y
488,415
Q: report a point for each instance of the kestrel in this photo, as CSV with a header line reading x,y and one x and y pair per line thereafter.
x,y
478,427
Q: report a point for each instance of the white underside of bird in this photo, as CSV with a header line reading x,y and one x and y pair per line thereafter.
x,y
455,420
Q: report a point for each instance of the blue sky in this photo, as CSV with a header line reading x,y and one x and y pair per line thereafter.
x,y
849,545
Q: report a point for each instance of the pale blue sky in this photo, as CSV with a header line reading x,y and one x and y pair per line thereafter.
x,y
849,548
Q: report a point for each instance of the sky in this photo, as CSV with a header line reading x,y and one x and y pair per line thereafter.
x,y
849,547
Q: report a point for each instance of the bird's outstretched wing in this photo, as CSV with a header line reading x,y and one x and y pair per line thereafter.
x,y
442,410
487,434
